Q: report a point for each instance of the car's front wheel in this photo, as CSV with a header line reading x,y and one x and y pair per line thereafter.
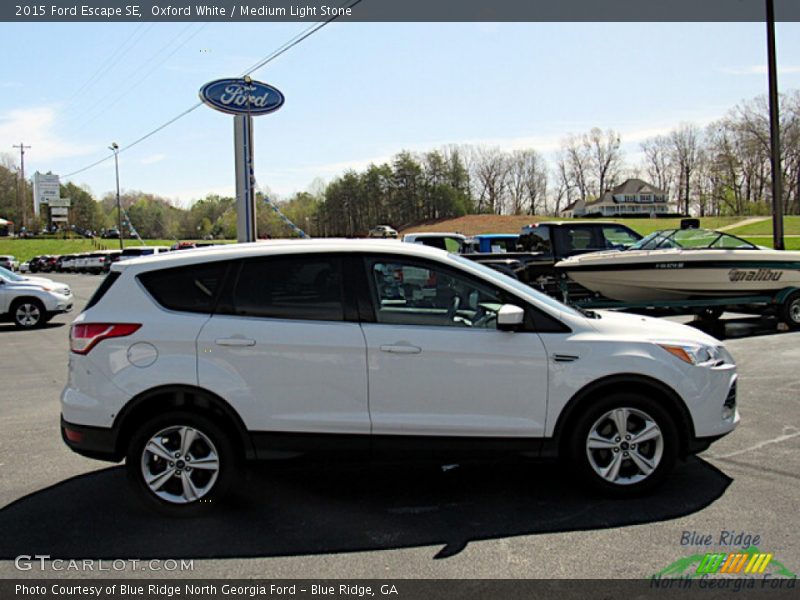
x,y
28,313
181,463
624,444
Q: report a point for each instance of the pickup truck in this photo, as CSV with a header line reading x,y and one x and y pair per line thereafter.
x,y
542,245
487,243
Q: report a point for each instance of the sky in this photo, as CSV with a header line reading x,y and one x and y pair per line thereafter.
x,y
359,92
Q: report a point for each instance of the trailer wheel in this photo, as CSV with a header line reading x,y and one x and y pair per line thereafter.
x,y
790,310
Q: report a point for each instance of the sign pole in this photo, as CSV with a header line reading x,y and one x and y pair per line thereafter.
x,y
245,196
775,133
243,98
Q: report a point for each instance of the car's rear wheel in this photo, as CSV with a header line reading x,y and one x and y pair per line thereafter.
x,y
28,313
624,444
181,463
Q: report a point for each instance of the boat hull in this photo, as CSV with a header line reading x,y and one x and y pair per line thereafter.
x,y
651,276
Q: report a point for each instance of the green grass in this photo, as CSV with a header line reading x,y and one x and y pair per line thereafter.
x,y
645,226
27,249
791,226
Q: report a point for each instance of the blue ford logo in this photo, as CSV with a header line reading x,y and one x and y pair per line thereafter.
x,y
241,97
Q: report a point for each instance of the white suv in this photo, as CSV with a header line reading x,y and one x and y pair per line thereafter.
x,y
31,301
186,363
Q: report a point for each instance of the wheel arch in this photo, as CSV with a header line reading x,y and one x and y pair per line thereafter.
x,y
627,383
160,399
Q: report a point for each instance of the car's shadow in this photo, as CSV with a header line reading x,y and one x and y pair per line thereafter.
x,y
302,509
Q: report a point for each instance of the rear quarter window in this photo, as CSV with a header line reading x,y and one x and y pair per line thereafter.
x,y
101,291
193,288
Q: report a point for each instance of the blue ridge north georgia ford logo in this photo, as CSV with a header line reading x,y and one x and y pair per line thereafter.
x,y
241,96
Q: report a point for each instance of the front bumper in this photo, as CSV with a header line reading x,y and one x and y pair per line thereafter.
x,y
93,442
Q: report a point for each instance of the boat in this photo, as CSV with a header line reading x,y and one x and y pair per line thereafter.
x,y
685,264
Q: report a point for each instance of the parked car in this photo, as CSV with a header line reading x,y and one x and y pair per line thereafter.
x,y
185,364
139,251
31,301
69,262
59,265
9,262
99,262
43,264
383,231
452,242
25,267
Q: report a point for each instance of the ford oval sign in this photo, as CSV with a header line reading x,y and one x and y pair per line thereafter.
x,y
241,96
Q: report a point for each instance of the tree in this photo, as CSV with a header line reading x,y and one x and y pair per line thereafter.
x,y
491,174
686,148
605,157
527,176
658,162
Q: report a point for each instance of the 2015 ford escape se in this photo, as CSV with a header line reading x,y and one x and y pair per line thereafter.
x,y
185,364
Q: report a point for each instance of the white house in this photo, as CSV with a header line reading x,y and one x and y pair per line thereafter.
x,y
632,197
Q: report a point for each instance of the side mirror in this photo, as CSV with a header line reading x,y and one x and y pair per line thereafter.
x,y
510,317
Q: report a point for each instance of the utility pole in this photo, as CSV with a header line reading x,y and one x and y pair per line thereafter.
x,y
115,148
21,203
775,133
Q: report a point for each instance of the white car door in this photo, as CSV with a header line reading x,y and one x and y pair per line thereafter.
x,y
281,351
438,366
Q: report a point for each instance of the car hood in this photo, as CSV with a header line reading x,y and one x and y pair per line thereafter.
x,y
648,329
38,281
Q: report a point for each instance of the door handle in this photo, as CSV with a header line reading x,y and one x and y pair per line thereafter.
x,y
401,349
235,341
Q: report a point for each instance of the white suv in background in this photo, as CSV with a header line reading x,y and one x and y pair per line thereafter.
x,y
31,301
186,363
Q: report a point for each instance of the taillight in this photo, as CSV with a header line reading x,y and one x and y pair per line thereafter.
x,y
85,336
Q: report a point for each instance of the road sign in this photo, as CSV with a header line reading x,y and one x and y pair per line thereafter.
x,y
46,190
59,211
60,203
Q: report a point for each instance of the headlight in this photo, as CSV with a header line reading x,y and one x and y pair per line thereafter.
x,y
698,354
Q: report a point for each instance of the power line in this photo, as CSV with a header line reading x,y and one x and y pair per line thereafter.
x,y
112,59
101,102
286,46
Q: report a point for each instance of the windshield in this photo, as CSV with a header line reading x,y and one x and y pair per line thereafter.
x,y
691,239
9,275
518,286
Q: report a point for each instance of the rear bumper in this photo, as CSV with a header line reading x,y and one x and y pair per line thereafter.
x,y
93,442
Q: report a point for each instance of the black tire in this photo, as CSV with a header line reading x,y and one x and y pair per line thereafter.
x,y
627,485
711,313
28,313
136,462
790,310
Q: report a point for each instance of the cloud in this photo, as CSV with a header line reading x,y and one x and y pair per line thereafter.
x,y
154,158
760,70
35,127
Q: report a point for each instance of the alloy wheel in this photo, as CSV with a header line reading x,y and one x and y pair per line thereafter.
x,y
625,446
180,464
28,314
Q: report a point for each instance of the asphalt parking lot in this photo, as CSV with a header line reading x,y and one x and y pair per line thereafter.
x,y
391,521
